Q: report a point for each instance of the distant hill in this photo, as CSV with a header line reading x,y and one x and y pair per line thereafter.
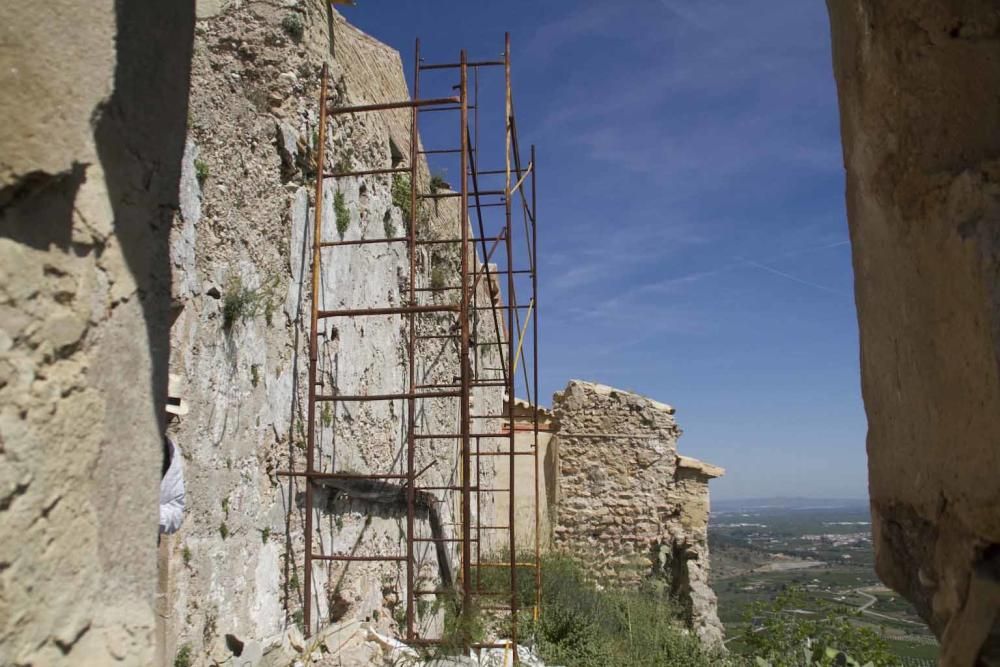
x,y
786,504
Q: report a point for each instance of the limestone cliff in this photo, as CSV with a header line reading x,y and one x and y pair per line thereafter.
x,y
94,108
918,86
627,504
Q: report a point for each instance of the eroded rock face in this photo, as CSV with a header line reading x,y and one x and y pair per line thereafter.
x,y
918,86
628,506
94,109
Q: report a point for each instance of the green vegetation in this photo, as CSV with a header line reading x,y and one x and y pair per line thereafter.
x,y
265,534
438,279
243,303
784,634
254,375
293,26
183,657
186,554
582,626
438,183
201,172
342,213
401,196
223,530
225,506
326,417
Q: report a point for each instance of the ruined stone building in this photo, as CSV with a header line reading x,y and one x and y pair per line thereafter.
x,y
615,492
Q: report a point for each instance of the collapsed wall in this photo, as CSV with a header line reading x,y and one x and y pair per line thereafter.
x,y
627,504
918,101
93,108
242,252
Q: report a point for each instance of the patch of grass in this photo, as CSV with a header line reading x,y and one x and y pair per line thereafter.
x,y
293,26
297,619
183,657
254,375
342,213
186,555
201,171
265,534
223,530
326,417
582,626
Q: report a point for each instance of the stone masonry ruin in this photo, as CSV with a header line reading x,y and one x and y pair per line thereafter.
x,y
627,503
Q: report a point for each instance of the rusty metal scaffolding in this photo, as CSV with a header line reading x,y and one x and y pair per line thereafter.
x,y
479,449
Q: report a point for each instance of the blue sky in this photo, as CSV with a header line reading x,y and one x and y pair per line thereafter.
x,y
692,232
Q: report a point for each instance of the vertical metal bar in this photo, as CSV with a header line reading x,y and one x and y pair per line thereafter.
x,y
314,353
534,367
510,343
466,246
411,420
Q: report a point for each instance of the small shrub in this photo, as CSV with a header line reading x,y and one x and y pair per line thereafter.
x,y
326,417
438,183
254,375
225,506
265,534
183,657
223,530
241,303
186,554
201,172
297,619
293,26
342,213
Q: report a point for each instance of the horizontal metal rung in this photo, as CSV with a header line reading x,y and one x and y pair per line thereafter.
x,y
389,397
440,195
441,151
473,239
361,559
398,310
334,244
502,453
499,307
367,172
339,475
474,63
502,565
409,104
455,108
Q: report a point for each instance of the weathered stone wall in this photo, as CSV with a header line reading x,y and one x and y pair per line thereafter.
x,y
94,108
627,505
246,225
918,88
525,473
